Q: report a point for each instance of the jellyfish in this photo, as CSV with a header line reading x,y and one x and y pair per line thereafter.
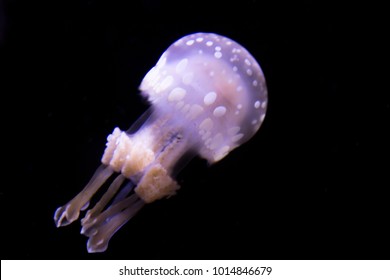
x,y
208,96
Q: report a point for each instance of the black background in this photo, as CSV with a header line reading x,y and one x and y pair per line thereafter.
x,y
312,183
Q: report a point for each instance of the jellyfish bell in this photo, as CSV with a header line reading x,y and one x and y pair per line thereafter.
x,y
208,96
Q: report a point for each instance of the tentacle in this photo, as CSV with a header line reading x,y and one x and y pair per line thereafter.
x,y
102,228
123,192
108,195
89,225
70,212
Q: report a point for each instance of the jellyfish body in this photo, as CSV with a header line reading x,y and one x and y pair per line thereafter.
x,y
208,96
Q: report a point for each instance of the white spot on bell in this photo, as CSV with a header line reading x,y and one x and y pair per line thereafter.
x,y
181,66
217,141
210,98
219,111
218,54
190,42
209,43
195,111
233,130
176,94
257,104
225,149
221,153
161,62
165,83
151,78
234,58
206,124
237,137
